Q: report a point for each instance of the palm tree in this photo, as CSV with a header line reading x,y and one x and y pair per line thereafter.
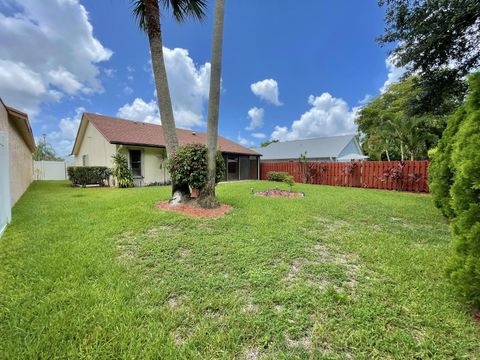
x,y
147,13
207,198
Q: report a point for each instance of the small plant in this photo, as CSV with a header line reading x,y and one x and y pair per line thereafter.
x,y
289,181
121,171
189,166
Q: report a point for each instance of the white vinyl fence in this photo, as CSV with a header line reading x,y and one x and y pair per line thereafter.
x,y
5,199
49,170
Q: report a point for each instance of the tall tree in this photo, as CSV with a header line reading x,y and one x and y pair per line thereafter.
x,y
45,151
436,39
389,124
147,13
207,198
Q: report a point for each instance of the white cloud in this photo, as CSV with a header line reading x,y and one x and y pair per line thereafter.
x,y
394,73
127,90
256,118
66,81
259,135
109,72
47,48
244,142
62,140
327,116
140,110
130,71
189,87
267,90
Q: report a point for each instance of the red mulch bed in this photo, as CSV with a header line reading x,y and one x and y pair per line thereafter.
x,y
280,193
191,209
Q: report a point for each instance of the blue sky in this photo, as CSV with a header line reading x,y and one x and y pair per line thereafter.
x,y
289,71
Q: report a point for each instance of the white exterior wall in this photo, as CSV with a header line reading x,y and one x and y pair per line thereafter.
x,y
154,164
98,150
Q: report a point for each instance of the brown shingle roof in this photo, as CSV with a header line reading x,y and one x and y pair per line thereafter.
x,y
122,131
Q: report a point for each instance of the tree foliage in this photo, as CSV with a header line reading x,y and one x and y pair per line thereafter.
x,y
391,128
46,152
121,171
268,142
439,40
465,199
441,167
189,166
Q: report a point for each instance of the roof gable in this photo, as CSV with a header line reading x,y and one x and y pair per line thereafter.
x,y
324,147
128,132
21,123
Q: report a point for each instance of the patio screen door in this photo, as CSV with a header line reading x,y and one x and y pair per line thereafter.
x,y
5,211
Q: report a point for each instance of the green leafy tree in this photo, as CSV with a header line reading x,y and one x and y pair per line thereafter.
x,y
438,40
465,191
390,127
147,13
266,143
188,166
441,167
46,152
121,171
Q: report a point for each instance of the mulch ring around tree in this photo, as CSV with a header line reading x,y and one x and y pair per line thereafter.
x,y
280,193
192,209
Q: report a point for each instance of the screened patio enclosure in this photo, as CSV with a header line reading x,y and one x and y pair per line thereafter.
x,y
241,167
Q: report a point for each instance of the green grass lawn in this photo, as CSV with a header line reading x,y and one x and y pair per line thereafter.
x,y
342,273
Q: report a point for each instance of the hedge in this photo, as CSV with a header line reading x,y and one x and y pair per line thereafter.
x,y
277,176
88,175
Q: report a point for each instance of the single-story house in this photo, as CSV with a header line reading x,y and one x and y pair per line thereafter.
x,y
323,149
99,137
16,163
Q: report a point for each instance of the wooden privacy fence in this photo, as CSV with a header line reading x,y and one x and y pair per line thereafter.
x,y
388,175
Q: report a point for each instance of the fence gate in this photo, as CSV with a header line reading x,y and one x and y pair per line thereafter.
x,y
5,208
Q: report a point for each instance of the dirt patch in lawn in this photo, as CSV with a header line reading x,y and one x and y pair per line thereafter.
x,y
279,193
191,209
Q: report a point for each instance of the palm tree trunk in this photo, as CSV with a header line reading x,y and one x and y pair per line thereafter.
x,y
180,192
207,198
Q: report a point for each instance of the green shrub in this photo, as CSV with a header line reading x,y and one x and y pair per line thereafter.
x,y
88,175
277,176
441,167
189,166
465,267
121,171
289,181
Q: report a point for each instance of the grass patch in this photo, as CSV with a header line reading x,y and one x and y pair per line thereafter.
x,y
341,273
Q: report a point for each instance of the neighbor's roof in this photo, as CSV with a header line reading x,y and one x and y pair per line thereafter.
x,y
20,120
128,132
324,147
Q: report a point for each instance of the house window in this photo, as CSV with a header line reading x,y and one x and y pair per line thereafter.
x,y
85,160
136,162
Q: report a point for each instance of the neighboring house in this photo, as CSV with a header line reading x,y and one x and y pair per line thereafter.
x,y
99,137
324,149
16,163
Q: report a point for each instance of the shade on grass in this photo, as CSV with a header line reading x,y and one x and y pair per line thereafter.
x,y
102,273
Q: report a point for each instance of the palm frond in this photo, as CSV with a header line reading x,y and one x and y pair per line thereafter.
x,y
139,12
183,9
